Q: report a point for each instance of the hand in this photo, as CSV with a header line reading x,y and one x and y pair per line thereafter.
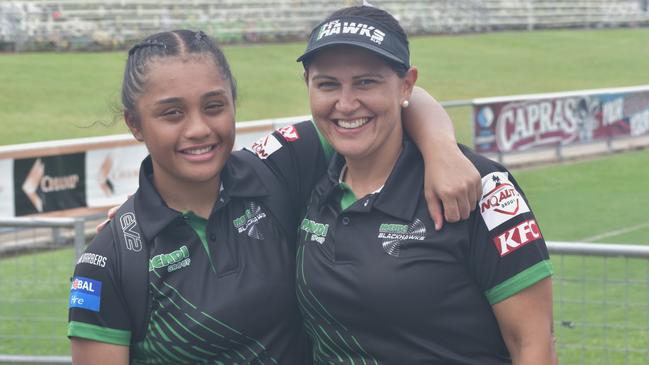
x,y
110,214
453,182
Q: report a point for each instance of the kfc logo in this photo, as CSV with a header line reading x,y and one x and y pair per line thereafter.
x,y
289,133
517,237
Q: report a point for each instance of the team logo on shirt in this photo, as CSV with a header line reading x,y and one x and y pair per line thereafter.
x,y
85,293
289,133
392,235
249,220
318,231
500,201
517,237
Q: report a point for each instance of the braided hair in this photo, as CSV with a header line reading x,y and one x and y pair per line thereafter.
x,y
167,44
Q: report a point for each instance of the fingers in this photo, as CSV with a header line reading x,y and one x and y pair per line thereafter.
x,y
111,212
101,225
435,209
451,209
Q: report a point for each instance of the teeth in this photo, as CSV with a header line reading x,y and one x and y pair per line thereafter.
x,y
353,123
198,151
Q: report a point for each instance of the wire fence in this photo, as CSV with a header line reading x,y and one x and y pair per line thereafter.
x,y
601,295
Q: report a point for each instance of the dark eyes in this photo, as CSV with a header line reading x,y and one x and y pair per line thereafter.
x,y
362,83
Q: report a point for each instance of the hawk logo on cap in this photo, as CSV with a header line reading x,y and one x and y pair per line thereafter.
x,y
336,27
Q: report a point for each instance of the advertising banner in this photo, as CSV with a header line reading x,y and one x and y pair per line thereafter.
x,y
46,184
6,188
112,174
544,120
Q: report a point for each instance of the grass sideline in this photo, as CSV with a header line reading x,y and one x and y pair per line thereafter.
x,y
48,96
571,201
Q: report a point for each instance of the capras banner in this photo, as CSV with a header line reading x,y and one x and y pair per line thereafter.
x,y
524,122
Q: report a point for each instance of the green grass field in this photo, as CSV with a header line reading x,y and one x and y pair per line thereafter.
x,y
55,96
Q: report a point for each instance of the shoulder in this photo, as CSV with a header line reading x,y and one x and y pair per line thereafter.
x,y
484,165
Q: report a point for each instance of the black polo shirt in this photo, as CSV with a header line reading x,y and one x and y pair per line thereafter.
x,y
378,285
229,298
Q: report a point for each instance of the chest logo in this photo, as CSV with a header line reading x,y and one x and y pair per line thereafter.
x,y
392,235
172,261
318,231
249,220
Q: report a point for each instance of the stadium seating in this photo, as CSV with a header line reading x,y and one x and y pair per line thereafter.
x,y
88,24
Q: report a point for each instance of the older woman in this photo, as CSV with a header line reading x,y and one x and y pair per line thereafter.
x,y
375,282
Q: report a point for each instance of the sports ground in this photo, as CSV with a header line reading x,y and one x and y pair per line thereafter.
x,y
47,96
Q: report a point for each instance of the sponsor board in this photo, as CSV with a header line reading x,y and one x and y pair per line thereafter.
x,y
6,189
85,293
523,123
500,201
46,184
517,237
112,174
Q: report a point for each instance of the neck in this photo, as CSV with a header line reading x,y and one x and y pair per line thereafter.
x,y
185,196
367,174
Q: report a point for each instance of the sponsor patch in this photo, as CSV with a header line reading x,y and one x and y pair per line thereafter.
x,y
318,231
517,237
92,259
500,200
289,133
173,261
265,146
337,27
85,293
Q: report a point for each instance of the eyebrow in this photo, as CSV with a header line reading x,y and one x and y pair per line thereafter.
x,y
175,100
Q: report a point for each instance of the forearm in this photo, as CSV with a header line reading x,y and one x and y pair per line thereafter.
x,y
85,352
427,123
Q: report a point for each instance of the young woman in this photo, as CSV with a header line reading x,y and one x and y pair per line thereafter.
x,y
221,262
376,283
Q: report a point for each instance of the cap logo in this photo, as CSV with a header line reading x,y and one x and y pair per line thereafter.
x,y
336,27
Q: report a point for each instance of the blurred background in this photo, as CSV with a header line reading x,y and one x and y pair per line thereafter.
x,y
558,90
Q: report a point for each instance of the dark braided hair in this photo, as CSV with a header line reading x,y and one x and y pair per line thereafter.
x,y
162,45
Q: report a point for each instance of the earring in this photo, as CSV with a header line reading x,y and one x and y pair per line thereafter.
x,y
405,103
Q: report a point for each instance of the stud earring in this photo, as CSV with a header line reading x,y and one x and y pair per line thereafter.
x,y
405,103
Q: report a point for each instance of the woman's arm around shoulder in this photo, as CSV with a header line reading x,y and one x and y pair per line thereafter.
x,y
452,184
85,352
525,321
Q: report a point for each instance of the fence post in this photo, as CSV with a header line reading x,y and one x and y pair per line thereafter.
x,y
79,237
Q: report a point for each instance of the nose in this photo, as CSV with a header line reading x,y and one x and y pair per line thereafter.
x,y
196,127
347,101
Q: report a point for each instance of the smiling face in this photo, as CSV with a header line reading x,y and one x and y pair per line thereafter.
x,y
185,116
355,99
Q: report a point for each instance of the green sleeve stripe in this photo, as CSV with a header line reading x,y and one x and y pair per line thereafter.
x,y
520,281
326,147
99,334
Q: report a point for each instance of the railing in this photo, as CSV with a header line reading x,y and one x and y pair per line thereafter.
x,y
601,296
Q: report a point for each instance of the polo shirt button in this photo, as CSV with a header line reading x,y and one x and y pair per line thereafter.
x,y
345,220
213,237
366,202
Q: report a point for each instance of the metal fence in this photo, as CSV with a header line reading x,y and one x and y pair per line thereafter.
x,y
601,295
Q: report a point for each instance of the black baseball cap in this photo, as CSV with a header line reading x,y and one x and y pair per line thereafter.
x,y
361,32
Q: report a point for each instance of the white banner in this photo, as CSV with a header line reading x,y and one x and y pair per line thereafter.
x,y
7,188
112,174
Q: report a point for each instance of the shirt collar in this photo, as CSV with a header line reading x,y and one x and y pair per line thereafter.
x,y
402,191
238,179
